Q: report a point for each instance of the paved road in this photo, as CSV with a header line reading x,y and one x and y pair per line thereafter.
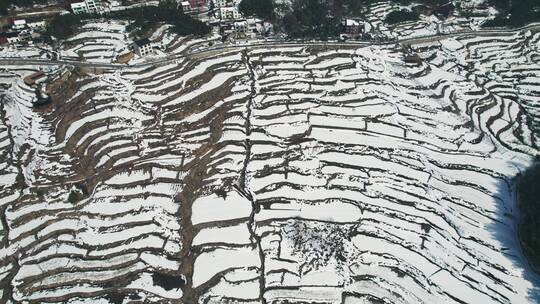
x,y
196,53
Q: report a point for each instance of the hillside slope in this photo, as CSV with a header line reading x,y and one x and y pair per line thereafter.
x,y
289,175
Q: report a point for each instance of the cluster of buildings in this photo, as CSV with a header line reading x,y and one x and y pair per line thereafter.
x,y
194,5
224,15
232,24
23,30
92,6
223,9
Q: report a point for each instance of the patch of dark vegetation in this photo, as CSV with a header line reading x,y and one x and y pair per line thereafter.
x,y
167,281
309,18
322,19
514,13
221,193
263,9
141,20
77,193
401,16
6,4
529,202
115,298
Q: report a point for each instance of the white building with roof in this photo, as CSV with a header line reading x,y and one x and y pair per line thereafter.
x,y
86,6
19,24
78,7
186,6
226,3
229,13
36,24
143,47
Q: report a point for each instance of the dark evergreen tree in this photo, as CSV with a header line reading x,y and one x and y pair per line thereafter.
x,y
401,16
263,9
529,197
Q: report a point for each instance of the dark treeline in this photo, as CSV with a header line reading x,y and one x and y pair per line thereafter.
x,y
529,202
401,16
263,9
141,18
321,18
310,18
515,13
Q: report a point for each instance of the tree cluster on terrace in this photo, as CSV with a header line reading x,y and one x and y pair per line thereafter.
x,y
529,199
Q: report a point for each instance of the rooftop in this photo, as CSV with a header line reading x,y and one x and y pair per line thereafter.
x,y
143,41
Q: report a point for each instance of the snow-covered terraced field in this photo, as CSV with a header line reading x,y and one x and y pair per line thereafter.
x,y
431,25
97,42
289,175
506,71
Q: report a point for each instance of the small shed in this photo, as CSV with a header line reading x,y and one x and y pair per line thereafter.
x,y
35,78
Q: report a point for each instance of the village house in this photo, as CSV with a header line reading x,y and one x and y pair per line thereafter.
x,y
143,47
226,29
229,13
255,25
222,3
33,23
109,4
268,28
94,6
186,6
25,35
86,6
240,26
197,4
9,37
19,24
351,29
78,7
